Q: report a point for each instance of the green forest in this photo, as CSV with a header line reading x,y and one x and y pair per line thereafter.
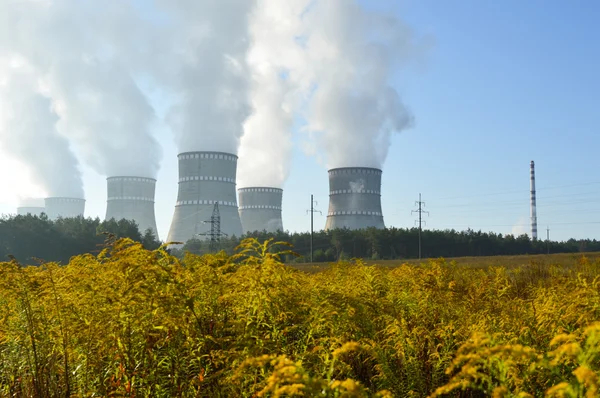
x,y
403,243
31,239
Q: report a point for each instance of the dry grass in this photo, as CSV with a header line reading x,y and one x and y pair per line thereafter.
x,y
136,323
478,262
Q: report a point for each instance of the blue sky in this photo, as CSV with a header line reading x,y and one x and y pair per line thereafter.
x,y
503,83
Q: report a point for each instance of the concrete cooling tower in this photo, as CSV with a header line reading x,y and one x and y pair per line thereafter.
x,y
33,206
354,198
64,207
260,209
132,198
34,211
205,178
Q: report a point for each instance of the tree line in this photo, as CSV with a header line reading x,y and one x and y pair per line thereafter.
x,y
31,239
403,243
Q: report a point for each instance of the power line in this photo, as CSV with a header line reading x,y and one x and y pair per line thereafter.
x,y
215,230
577,184
517,203
572,194
312,211
507,202
482,195
512,205
499,212
420,211
552,187
518,225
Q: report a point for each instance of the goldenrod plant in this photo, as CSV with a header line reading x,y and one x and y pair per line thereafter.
x,y
132,322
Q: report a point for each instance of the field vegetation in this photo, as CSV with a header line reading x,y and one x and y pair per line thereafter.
x,y
131,322
28,238
515,261
402,244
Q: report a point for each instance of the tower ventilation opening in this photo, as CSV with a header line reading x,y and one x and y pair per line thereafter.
x,y
354,198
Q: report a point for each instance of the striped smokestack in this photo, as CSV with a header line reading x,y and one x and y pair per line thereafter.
x,y
533,206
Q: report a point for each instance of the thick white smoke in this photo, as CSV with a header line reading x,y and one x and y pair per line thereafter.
x,y
231,70
351,55
83,54
207,73
329,63
28,134
266,145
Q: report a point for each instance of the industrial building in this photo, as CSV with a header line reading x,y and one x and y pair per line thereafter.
x,y
132,198
33,206
205,178
354,198
64,207
260,209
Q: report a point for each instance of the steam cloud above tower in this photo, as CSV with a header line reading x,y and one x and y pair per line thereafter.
x,y
267,141
82,54
329,63
207,73
28,133
233,75
351,53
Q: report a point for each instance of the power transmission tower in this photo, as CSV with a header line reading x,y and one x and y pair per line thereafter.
x,y
548,239
420,210
312,211
215,230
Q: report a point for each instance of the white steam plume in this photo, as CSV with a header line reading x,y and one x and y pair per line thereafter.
x,y
265,150
84,53
329,62
350,56
208,41
28,134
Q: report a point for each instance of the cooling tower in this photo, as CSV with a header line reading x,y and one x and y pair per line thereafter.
x,y
64,207
205,178
354,198
260,209
33,206
132,198
34,211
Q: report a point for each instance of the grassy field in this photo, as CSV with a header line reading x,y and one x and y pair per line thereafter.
x,y
478,262
129,322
